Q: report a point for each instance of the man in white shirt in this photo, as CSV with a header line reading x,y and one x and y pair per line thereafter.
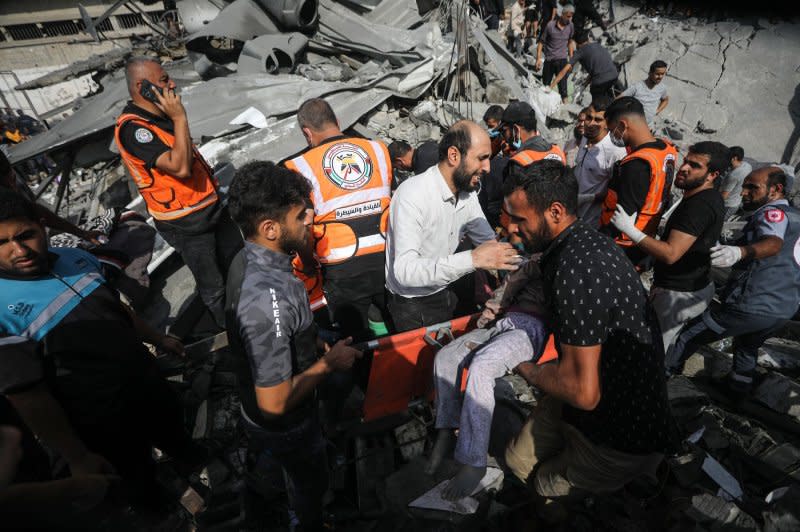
x,y
594,162
651,92
430,215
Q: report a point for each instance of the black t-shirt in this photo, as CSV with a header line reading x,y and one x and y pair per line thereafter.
x,y
142,142
595,297
700,215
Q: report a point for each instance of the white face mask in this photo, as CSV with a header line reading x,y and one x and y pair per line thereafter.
x,y
619,142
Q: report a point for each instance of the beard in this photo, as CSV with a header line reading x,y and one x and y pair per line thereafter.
x,y
753,205
295,243
537,241
691,184
462,179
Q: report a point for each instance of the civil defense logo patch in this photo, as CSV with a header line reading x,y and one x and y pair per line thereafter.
x,y
347,166
143,135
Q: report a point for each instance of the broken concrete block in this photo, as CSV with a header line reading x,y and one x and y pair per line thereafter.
x,y
719,514
681,389
779,462
498,91
424,112
782,515
673,133
687,468
779,393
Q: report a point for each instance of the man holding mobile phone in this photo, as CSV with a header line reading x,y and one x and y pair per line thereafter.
x,y
176,183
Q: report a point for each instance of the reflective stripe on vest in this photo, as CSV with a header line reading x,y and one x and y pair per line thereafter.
x,y
662,171
351,188
31,308
168,197
526,157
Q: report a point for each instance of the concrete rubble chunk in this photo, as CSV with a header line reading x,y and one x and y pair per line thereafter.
x,y
719,514
779,393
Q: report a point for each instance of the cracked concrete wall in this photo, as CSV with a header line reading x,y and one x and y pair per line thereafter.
x,y
733,81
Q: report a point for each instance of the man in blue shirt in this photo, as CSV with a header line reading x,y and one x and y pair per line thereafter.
x,y
72,361
763,292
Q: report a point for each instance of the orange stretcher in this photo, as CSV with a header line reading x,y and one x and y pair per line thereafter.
x,y
402,365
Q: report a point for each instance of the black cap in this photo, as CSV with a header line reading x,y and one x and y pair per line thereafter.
x,y
516,112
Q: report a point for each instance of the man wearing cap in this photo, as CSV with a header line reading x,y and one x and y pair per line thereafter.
x,y
520,130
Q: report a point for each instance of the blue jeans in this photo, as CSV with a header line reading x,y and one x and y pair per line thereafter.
x,y
294,458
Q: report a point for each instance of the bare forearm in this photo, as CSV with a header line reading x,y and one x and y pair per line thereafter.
x,y
183,143
662,105
45,417
766,247
283,398
659,250
539,51
548,379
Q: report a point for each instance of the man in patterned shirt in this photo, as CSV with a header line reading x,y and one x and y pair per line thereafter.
x,y
604,418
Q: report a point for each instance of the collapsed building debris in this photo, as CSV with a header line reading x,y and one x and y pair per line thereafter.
x,y
392,71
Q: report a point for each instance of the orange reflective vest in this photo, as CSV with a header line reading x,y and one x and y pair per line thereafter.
x,y
662,171
168,197
313,283
526,157
351,186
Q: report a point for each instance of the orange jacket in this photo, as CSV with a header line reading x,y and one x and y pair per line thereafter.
x,y
313,283
351,181
526,157
166,196
662,171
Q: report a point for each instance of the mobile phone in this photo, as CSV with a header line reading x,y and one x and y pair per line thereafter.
x,y
149,90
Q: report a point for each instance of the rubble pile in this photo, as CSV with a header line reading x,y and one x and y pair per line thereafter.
x,y
395,73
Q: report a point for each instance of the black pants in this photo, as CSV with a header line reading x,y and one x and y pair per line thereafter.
x,y
349,300
410,313
151,416
293,458
602,89
208,255
550,69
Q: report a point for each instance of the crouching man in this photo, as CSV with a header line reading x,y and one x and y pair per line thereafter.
x,y
273,336
604,418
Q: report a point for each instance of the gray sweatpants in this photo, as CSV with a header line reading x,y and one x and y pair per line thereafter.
x,y
489,354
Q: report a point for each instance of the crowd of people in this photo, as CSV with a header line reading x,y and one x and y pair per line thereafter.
x,y
312,255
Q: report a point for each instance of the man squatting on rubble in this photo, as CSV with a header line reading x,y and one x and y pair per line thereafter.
x,y
763,291
682,286
586,434
73,365
351,181
273,337
176,183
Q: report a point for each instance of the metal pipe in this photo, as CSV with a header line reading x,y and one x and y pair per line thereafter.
x,y
292,14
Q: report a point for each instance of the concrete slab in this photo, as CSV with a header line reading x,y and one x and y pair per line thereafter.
x,y
696,69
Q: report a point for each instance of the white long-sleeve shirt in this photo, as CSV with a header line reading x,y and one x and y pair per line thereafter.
x,y
426,224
